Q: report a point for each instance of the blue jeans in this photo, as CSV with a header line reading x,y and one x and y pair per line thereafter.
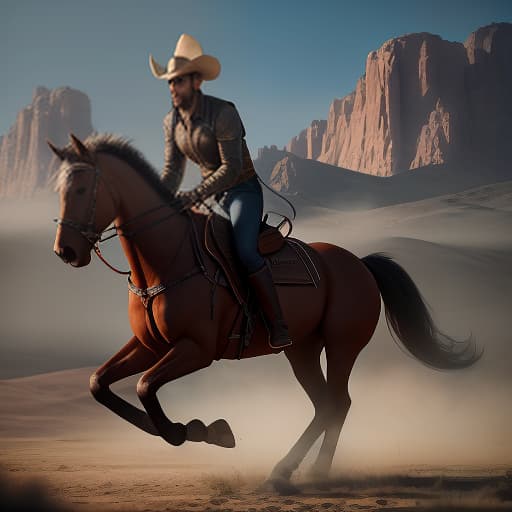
x,y
243,203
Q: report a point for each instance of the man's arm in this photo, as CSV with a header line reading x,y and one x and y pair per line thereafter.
x,y
174,159
228,132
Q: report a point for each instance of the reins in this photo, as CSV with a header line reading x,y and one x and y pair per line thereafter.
x,y
97,250
94,237
149,225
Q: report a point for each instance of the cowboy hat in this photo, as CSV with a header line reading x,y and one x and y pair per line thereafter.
x,y
188,58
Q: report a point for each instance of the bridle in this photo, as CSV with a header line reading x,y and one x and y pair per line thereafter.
x,y
88,229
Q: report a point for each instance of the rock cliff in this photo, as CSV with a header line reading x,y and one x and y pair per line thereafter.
x,y
488,95
26,162
308,144
267,159
422,101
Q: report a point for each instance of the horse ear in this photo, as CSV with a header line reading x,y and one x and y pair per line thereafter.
x,y
56,150
79,148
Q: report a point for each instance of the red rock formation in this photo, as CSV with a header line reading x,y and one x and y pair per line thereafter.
x,y
266,160
337,122
298,145
408,81
26,163
488,92
283,174
422,101
314,138
434,139
308,144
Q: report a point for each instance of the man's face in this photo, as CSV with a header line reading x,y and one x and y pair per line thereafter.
x,y
182,90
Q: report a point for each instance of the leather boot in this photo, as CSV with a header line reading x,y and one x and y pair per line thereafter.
x,y
263,286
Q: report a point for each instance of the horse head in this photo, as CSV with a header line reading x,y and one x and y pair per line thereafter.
x,y
87,203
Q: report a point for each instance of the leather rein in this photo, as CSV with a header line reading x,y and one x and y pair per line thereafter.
x,y
95,237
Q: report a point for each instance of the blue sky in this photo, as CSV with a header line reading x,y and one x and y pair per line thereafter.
x,y
282,61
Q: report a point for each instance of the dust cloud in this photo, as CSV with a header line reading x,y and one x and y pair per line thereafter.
x,y
458,250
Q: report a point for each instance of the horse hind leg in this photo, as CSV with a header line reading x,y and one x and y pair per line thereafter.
x,y
348,325
305,362
340,360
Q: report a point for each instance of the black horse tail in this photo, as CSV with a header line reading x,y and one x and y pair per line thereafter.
x,y
408,318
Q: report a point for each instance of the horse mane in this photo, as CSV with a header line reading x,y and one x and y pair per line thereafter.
x,y
119,147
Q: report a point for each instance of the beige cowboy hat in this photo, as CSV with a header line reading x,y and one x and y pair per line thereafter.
x,y
188,58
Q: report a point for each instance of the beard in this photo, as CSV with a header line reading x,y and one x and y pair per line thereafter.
x,y
186,102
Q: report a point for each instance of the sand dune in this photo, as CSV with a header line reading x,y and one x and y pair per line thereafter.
x,y
456,247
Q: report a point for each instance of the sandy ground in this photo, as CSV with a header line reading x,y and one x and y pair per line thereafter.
x,y
414,438
81,474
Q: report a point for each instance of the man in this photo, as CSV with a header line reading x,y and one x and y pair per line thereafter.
x,y
208,131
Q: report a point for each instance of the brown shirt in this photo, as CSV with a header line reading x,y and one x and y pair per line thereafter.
x,y
213,138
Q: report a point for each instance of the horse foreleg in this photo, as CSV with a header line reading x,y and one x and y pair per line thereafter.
x,y
184,358
133,358
305,362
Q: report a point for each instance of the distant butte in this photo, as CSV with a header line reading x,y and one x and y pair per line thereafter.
x,y
26,162
422,101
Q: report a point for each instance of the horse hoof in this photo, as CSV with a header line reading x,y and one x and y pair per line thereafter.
x,y
319,480
280,485
266,486
220,434
177,435
196,431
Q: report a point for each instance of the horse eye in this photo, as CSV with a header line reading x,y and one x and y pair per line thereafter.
x,y
80,191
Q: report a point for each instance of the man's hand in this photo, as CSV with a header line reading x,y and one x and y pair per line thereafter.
x,y
187,199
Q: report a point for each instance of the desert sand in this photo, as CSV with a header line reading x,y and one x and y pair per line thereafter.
x,y
414,438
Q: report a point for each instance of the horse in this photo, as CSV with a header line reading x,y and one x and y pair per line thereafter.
x,y
105,180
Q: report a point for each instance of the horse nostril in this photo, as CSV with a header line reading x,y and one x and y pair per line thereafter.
x,y
67,254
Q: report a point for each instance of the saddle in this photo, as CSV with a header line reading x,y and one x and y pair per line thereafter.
x,y
289,259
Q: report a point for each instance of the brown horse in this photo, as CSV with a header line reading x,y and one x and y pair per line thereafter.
x,y
106,180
